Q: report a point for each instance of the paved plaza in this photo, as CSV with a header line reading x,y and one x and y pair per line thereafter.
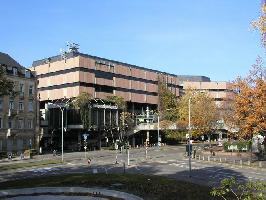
x,y
168,161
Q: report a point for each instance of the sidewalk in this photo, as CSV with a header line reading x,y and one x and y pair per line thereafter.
x,y
234,158
27,159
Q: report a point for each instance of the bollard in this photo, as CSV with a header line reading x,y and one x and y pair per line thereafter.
x,y
124,164
214,159
146,153
248,163
241,163
203,158
127,157
225,160
260,164
220,159
208,158
116,162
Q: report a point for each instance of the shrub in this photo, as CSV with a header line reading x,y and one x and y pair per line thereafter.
x,y
3,154
242,145
231,189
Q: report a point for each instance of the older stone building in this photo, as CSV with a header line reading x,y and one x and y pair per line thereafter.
x,y
19,112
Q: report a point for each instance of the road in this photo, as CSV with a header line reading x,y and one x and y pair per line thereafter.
x,y
167,161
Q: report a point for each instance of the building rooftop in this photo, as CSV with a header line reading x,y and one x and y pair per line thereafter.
x,y
74,54
7,60
8,63
191,78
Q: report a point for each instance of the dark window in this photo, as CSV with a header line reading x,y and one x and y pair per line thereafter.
x,y
102,88
106,75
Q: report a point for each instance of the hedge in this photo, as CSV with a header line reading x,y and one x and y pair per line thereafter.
x,y
240,144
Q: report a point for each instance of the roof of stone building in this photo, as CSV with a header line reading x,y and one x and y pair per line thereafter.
x,y
8,60
9,63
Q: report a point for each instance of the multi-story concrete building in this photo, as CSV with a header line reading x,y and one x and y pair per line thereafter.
x,y
76,73
219,91
18,113
70,74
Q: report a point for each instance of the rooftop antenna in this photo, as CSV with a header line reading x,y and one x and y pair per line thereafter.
x,y
73,47
63,54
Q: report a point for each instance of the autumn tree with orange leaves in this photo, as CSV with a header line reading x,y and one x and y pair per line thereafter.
x,y
250,101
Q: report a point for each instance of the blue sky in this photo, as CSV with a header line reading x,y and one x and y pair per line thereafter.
x,y
207,37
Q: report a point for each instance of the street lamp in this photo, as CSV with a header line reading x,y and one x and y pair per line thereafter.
x,y
62,108
189,136
158,131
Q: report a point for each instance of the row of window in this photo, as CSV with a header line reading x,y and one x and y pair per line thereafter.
x,y
13,144
18,124
21,89
11,105
14,71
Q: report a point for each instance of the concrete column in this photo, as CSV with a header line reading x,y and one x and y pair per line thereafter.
x,y
133,142
248,163
148,137
79,140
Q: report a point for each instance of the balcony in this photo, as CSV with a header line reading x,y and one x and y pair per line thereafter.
x,y
11,132
31,96
12,112
44,123
21,95
8,133
76,126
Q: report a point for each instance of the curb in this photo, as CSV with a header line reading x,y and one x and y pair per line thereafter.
x,y
243,166
86,191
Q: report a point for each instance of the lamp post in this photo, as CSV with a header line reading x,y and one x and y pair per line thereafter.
x,y
189,136
158,131
62,107
62,148
148,132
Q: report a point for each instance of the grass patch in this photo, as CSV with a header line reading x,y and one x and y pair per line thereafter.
x,y
148,187
28,164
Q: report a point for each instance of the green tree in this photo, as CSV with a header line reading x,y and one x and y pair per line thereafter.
x,y
168,110
126,121
167,107
82,103
6,85
203,113
117,100
231,189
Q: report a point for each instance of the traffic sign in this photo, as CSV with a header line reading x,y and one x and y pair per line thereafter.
x,y
85,136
